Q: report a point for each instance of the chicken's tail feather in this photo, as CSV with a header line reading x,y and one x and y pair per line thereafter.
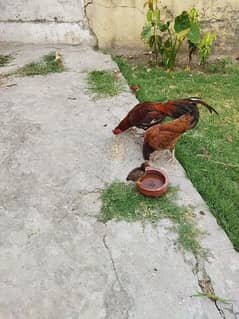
x,y
197,100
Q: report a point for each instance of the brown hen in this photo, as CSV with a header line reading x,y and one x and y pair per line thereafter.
x,y
165,135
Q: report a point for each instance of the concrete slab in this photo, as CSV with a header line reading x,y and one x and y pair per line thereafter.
x,y
55,21
56,260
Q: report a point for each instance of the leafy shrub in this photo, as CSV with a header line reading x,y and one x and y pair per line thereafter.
x,y
165,38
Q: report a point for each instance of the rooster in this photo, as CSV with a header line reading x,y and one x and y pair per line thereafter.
x,y
146,114
165,135
143,115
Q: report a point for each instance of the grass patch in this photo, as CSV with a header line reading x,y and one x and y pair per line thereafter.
x,y
210,152
104,83
223,65
48,64
5,59
123,202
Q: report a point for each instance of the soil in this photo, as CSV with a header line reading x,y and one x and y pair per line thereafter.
x,y
141,57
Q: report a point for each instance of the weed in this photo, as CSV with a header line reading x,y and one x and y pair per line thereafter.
x,y
123,202
187,232
212,297
205,46
48,64
209,152
104,83
5,59
224,65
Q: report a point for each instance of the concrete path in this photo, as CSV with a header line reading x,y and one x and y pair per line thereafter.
x,y
56,260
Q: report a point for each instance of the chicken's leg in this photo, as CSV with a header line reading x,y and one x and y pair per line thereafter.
x,y
172,157
147,150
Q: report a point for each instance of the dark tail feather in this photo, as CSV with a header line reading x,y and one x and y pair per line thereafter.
x,y
147,150
199,101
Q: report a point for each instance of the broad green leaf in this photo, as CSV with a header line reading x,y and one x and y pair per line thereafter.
x,y
163,27
194,33
182,22
182,35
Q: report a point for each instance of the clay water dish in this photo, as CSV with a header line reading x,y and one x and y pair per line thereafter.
x,y
154,183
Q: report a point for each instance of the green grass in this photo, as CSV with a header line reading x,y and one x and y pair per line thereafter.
x,y
5,59
43,67
224,65
123,202
103,83
210,152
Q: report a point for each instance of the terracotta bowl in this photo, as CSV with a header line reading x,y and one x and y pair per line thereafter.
x,y
154,183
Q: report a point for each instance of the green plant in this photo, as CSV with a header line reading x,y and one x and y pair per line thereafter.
x,y
161,37
196,40
205,46
104,83
193,36
5,59
150,33
166,39
48,64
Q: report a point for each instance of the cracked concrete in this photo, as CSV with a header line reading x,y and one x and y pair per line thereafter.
x,y
117,300
56,260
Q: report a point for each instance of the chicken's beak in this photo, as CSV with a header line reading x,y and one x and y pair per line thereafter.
x,y
116,131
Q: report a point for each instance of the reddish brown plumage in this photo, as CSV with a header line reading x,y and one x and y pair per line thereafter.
x,y
140,116
146,114
165,135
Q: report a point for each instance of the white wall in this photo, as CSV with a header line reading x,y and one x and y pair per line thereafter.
x,y
118,23
55,21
